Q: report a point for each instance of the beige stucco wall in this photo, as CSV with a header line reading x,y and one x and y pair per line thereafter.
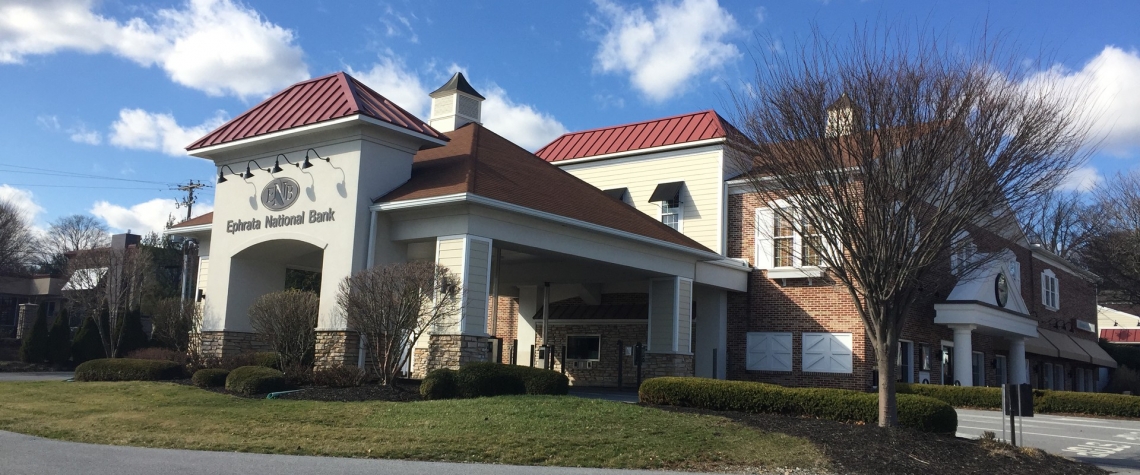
x,y
702,198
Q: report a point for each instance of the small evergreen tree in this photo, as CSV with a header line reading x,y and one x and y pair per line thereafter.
x,y
59,340
35,345
131,334
87,344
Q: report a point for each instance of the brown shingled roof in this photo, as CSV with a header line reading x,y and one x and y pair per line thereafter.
x,y
481,162
196,221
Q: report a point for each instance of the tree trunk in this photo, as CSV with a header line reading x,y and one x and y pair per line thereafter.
x,y
888,403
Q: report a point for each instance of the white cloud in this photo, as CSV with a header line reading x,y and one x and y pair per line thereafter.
x,y
520,123
22,199
1109,82
141,130
392,79
1081,179
396,24
662,54
217,46
144,217
82,135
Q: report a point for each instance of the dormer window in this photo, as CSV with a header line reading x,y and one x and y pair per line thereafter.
x,y
1050,296
668,196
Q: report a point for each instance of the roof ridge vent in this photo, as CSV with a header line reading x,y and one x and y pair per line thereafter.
x,y
455,104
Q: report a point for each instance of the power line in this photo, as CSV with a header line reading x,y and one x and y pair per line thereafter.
x,y
153,188
61,173
190,187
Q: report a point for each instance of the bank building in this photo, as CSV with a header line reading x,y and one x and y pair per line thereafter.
x,y
612,254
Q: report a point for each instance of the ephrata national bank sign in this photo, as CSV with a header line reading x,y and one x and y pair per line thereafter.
x,y
279,195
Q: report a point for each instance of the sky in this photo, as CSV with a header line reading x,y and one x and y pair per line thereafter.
x,y
99,98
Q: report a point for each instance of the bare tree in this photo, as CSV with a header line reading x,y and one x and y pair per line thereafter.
x,y
287,320
886,147
108,278
1112,249
76,232
174,320
392,306
16,240
1056,222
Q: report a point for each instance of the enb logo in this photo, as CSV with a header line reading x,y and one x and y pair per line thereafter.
x,y
280,194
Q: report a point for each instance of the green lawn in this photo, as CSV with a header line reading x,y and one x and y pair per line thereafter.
x,y
526,430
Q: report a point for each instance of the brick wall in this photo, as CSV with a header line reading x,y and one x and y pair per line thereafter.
x,y
507,325
605,370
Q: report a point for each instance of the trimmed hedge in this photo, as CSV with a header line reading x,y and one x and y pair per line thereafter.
x,y
917,412
957,396
250,380
210,378
440,384
1044,401
267,359
126,369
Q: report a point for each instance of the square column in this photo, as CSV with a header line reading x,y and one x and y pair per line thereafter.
x,y
963,354
1017,361
462,338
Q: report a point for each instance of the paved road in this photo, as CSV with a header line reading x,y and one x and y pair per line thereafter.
x,y
1111,444
26,455
46,376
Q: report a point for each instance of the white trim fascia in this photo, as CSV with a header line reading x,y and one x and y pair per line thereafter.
x,y
984,316
642,151
189,229
463,273
200,152
721,208
490,260
1049,257
676,314
480,200
732,263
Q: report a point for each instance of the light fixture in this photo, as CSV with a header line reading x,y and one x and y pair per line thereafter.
x,y
277,163
306,164
222,177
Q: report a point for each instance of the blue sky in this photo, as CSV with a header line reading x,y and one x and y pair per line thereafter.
x,y
115,89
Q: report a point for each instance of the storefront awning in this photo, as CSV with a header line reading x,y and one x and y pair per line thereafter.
x,y
1098,355
1040,346
666,191
1066,347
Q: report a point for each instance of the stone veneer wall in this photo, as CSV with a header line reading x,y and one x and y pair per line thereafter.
x,y
224,344
666,364
605,370
337,348
449,351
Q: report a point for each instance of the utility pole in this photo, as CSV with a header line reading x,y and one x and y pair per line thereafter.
x,y
190,187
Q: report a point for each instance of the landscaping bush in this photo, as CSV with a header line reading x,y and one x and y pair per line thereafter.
x,y
210,378
917,412
160,354
440,384
131,334
540,381
957,396
87,345
493,379
267,359
250,380
125,369
287,322
1096,404
59,339
35,346
339,376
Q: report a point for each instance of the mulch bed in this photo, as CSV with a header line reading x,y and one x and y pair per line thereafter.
x,y
863,449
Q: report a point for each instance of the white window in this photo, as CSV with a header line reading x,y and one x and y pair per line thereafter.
x,y
827,352
1049,296
779,246
1000,367
769,351
671,213
963,251
978,363
905,362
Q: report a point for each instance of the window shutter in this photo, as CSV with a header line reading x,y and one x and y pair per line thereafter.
x,y
827,352
763,225
769,351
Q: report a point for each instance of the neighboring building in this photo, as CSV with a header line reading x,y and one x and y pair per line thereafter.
x,y
660,254
1117,326
35,289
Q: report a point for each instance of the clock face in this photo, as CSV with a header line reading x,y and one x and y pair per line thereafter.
x,y
1001,289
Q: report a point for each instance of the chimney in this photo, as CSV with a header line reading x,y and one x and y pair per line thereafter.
x,y
455,104
840,116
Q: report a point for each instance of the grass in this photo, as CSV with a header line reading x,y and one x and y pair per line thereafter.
x,y
524,430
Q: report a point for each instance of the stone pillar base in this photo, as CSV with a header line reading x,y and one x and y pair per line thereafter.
x,y
27,318
449,351
337,348
666,364
225,344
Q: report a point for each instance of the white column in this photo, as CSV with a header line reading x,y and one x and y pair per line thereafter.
x,y
1017,361
963,351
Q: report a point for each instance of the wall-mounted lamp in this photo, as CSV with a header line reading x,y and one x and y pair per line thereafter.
x,y
222,177
306,163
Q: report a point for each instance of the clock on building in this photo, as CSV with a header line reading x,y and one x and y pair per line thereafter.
x,y
1001,289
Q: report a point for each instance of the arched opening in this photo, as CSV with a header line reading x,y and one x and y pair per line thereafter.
x,y
270,266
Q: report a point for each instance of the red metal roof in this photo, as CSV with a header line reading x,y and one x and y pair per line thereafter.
x,y
623,138
309,102
1121,335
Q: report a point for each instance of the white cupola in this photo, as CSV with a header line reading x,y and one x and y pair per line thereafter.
x,y
454,104
840,116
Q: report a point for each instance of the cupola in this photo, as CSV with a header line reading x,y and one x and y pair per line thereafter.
x,y
454,104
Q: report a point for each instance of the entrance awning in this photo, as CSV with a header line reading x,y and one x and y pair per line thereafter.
x,y
1098,355
1066,347
1040,346
666,191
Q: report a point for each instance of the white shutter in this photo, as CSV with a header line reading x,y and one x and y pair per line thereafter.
x,y
764,227
769,351
827,352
